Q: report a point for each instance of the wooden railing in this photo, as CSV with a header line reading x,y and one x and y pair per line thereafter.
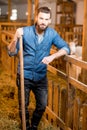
x,y
69,107
70,32
65,110
10,28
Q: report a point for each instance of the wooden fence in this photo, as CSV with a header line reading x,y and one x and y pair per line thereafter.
x,y
70,32
10,28
65,110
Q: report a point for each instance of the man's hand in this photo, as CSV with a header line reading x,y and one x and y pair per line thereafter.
x,y
12,46
48,59
19,32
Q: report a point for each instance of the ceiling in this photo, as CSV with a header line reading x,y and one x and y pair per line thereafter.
x,y
15,2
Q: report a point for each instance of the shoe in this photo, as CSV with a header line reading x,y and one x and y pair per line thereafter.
x,y
33,128
28,128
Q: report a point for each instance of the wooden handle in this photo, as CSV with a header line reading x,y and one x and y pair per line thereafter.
x,y
22,86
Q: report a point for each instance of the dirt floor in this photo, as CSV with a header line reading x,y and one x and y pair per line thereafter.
x,y
9,119
9,116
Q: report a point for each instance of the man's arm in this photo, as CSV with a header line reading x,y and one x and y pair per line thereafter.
x,y
49,59
12,46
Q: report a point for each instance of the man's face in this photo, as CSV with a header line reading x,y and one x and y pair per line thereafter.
x,y
43,20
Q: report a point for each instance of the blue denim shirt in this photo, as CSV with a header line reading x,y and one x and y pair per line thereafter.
x,y
34,52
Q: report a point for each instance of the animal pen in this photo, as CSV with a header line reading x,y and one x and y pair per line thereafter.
x,y
65,109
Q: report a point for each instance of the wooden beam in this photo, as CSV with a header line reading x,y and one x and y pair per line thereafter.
x,y
76,114
9,10
29,11
36,7
84,121
84,43
0,42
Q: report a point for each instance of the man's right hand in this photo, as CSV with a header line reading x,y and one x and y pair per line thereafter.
x,y
18,34
12,46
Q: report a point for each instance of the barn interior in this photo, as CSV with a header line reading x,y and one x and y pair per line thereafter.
x,y
67,76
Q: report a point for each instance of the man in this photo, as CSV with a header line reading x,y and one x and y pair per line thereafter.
x,y
37,41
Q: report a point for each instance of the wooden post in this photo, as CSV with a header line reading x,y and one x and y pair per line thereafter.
x,y
9,10
0,42
36,7
29,11
22,86
63,103
69,100
84,42
2,46
56,91
50,83
84,122
76,114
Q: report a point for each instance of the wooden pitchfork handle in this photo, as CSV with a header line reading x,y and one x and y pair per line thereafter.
x,y
22,85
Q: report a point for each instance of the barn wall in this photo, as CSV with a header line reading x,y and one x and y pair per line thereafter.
x,y
80,12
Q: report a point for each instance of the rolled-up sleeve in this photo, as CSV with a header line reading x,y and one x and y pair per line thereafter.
x,y
16,51
60,43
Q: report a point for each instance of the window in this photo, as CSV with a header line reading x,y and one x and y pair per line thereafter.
x,y
14,15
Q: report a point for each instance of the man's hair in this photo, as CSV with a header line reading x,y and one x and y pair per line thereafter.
x,y
44,10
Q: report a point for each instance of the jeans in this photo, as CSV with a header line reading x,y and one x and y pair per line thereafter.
x,y
40,91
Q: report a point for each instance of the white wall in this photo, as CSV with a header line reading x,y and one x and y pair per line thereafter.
x,y
80,12
22,9
4,10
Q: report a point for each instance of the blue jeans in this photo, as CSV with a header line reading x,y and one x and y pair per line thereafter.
x,y
40,91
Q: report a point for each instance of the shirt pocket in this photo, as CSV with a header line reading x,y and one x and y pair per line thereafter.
x,y
46,47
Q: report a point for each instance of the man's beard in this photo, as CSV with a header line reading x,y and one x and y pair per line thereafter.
x,y
42,27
